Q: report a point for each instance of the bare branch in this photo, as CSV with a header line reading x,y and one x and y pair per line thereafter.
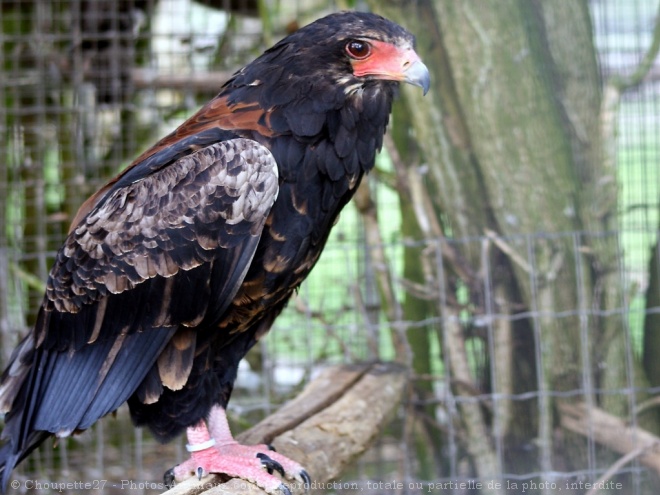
x,y
612,432
344,410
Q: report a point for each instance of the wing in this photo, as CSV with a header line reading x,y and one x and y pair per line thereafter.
x,y
218,120
154,258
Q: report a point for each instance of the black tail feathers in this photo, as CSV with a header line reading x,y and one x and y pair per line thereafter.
x,y
9,457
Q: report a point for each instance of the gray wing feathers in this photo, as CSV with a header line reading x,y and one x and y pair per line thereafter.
x,y
136,232
95,342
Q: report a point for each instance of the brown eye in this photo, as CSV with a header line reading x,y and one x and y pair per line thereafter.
x,y
358,49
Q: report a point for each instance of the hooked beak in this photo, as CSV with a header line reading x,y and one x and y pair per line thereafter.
x,y
417,74
394,63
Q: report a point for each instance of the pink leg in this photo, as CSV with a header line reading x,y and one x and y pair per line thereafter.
x,y
225,442
214,450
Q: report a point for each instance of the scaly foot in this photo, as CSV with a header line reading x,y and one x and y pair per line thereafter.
x,y
217,452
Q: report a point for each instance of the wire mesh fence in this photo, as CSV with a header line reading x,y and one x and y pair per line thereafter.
x,y
87,85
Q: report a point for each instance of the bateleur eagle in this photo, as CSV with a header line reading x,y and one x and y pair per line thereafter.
x,y
173,270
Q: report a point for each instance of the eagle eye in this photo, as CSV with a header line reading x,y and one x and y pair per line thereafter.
x,y
359,50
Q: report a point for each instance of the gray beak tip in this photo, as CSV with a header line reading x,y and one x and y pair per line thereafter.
x,y
418,75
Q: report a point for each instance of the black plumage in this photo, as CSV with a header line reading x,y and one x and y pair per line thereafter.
x,y
175,268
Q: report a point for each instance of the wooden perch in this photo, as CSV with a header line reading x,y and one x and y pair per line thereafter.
x,y
612,432
333,420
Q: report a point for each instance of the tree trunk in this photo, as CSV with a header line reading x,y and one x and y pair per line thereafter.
x,y
511,136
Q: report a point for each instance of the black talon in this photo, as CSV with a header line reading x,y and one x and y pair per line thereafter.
x,y
270,464
270,447
306,479
168,478
285,489
200,472
266,462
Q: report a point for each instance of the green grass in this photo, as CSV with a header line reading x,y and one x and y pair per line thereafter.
x,y
638,168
